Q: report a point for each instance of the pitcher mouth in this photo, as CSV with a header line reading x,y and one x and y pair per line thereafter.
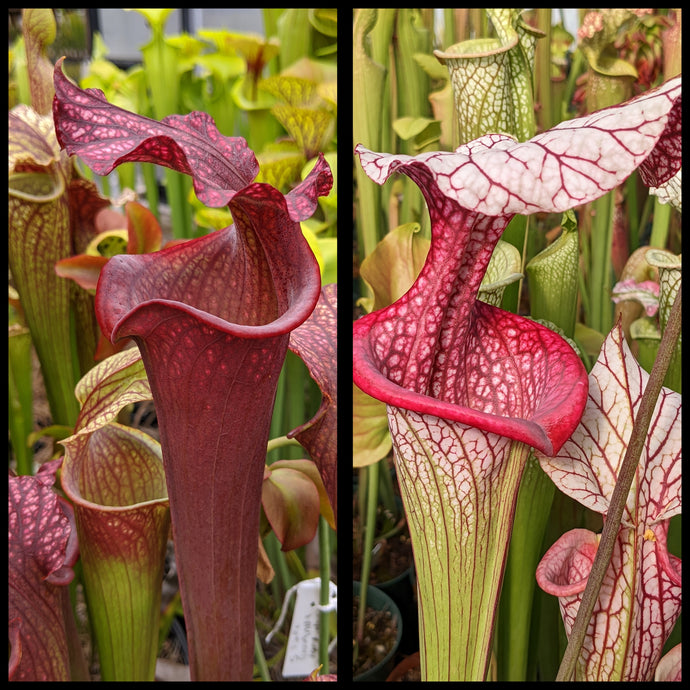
x,y
543,428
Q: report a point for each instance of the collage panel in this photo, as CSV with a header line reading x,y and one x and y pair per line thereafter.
x,y
516,349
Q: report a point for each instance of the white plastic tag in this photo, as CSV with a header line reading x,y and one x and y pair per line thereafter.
x,y
302,652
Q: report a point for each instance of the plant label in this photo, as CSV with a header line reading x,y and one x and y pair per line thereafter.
x,y
302,653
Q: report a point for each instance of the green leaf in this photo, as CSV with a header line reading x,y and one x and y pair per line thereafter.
x,y
20,394
108,387
328,247
553,278
371,439
368,78
517,597
423,131
392,267
503,270
325,21
432,67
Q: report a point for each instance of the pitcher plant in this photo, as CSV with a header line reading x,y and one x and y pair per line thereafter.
x,y
212,318
471,388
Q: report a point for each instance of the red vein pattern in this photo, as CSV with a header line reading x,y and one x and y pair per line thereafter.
x,y
468,386
315,343
212,318
114,477
42,550
640,598
105,136
436,349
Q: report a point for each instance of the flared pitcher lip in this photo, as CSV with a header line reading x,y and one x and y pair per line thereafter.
x,y
302,297
530,431
285,323
70,483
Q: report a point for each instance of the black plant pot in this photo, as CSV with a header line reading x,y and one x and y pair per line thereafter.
x,y
402,590
381,602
